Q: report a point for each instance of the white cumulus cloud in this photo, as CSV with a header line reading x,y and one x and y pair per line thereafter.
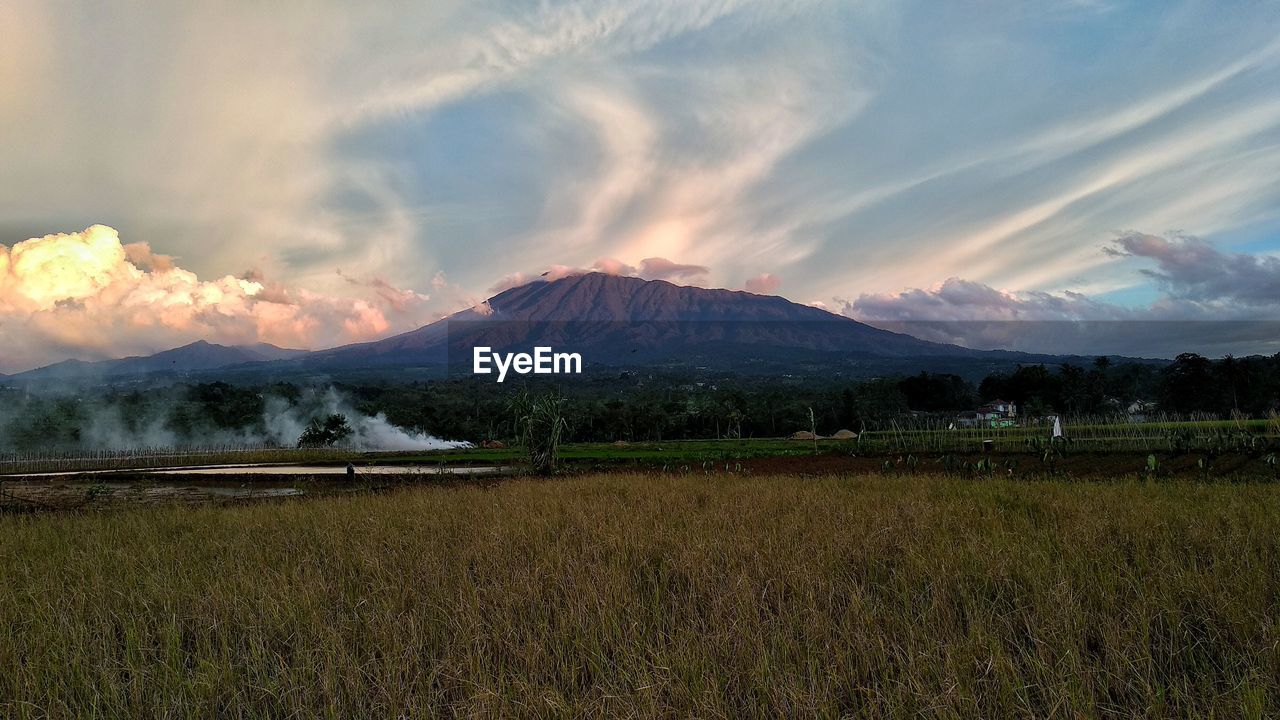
x,y
86,294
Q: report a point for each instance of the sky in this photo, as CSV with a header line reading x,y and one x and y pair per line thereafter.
x,y
315,173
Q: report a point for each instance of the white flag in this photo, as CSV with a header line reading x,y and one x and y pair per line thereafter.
x,y
1057,427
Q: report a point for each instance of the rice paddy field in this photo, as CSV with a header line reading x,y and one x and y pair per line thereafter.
x,y
622,594
921,437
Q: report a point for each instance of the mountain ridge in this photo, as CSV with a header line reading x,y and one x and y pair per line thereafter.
x,y
616,319
193,357
610,319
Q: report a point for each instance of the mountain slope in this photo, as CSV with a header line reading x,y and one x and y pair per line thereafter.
x,y
619,320
199,355
610,320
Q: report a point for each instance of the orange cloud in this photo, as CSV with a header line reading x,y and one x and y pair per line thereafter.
x,y
763,284
654,268
88,295
610,266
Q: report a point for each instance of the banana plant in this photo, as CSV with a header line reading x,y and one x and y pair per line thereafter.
x,y
1051,457
985,466
949,463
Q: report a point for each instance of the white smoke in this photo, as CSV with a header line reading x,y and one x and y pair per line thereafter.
x,y
107,430
102,424
285,423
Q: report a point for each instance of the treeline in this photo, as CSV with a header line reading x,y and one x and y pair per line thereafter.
x,y
1190,385
645,405
649,405
639,406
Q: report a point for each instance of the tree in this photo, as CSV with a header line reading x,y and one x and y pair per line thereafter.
x,y
1187,386
327,433
1029,386
540,425
936,392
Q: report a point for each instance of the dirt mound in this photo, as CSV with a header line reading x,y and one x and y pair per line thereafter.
x,y
845,435
803,435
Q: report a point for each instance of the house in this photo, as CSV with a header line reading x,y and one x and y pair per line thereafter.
x,y
995,414
1001,407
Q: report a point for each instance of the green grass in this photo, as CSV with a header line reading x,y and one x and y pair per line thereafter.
x,y
669,451
1092,434
656,596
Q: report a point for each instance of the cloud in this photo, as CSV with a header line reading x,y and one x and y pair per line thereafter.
x,y
610,266
509,281
1189,268
282,152
838,144
87,295
657,268
510,46
763,284
958,299
399,300
1197,280
140,254
654,268
449,297
1212,301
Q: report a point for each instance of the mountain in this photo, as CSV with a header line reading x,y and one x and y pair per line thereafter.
x,y
197,356
615,320
610,320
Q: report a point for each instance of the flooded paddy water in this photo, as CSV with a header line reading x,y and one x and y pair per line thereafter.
x,y
211,484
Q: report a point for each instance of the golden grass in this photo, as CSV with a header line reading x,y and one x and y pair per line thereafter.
x,y
641,596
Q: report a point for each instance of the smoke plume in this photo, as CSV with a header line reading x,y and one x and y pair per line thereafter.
x,y
198,416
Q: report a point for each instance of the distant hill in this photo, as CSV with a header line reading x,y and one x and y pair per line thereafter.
x,y
198,356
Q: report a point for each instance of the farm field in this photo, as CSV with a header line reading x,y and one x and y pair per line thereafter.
x,y
656,595
1207,451
1089,435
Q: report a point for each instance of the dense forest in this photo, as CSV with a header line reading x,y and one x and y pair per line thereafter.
x,y
627,405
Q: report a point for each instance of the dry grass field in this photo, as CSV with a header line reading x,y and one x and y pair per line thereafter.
x,y
656,596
